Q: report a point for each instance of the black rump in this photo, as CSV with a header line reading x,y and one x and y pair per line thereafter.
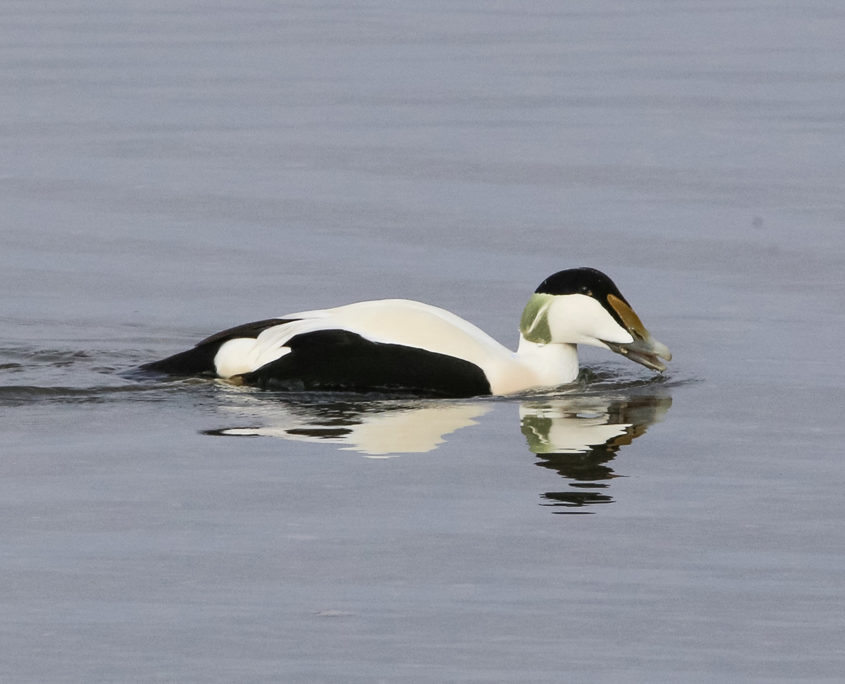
x,y
200,359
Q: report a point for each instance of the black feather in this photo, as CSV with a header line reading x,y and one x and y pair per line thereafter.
x,y
339,360
200,359
586,281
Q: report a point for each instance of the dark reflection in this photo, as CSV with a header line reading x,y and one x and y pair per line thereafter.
x,y
579,436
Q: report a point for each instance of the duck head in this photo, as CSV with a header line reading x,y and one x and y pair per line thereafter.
x,y
584,306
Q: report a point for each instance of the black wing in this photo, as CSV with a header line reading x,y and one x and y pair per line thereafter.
x,y
339,360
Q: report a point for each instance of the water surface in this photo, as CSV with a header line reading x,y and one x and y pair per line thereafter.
x,y
172,169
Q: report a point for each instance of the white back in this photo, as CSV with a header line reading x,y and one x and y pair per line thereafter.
x,y
396,321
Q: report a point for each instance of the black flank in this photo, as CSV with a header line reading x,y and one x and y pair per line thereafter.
x,y
338,360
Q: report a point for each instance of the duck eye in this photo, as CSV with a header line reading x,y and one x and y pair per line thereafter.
x,y
586,290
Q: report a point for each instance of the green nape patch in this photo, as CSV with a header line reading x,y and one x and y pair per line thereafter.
x,y
534,324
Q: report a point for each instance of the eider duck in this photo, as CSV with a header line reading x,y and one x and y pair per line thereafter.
x,y
398,345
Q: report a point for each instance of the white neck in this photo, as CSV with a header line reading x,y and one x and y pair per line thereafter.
x,y
538,365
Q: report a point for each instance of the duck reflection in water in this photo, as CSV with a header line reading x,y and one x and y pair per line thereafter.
x,y
576,435
377,429
579,436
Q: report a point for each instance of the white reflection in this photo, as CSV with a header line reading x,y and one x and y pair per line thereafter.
x,y
578,437
552,427
584,424
376,429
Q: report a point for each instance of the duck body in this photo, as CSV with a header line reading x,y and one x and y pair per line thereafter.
x,y
399,345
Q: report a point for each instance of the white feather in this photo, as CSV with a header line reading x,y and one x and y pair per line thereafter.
x,y
572,319
580,319
410,323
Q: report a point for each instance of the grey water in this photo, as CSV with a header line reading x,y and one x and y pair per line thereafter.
x,y
170,169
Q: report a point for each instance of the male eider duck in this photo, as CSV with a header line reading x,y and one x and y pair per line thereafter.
x,y
398,345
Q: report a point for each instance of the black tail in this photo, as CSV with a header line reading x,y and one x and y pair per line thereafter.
x,y
200,359
196,361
